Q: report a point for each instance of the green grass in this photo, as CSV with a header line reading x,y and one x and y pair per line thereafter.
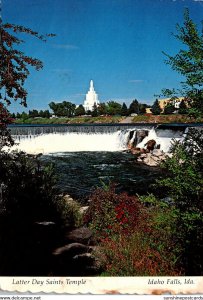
x,y
77,120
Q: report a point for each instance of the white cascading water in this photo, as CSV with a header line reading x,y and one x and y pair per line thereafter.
x,y
41,141
72,142
162,137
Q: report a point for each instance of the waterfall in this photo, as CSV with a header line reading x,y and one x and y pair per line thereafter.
x,y
72,142
163,138
92,137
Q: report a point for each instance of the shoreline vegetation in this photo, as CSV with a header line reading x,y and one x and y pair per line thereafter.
x,y
43,233
165,119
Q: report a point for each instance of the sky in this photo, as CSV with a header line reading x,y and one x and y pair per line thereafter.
x,y
116,43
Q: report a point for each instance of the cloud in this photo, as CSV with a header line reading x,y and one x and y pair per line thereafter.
x,y
65,46
135,80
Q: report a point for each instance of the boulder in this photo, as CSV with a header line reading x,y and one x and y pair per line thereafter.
x,y
83,210
79,235
150,145
157,152
70,250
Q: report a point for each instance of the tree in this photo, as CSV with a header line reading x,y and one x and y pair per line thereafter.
x,y
142,108
14,64
63,109
14,70
80,111
169,109
94,112
33,113
156,110
102,109
183,182
182,108
188,62
124,110
113,108
134,107
5,119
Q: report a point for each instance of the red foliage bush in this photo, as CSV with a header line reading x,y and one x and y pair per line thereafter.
x,y
111,213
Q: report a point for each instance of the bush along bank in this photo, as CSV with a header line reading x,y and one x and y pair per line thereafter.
x,y
38,235
155,234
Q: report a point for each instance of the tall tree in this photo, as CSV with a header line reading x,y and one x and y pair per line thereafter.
x,y
188,62
79,111
14,64
156,110
134,107
124,110
94,112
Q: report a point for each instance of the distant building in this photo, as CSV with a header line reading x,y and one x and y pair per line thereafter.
x,y
176,102
91,98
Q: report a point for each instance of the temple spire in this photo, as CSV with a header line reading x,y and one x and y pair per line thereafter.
x,y
91,98
91,85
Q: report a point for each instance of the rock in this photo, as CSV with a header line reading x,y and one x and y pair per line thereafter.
x,y
70,250
143,155
79,235
150,145
68,198
83,210
157,152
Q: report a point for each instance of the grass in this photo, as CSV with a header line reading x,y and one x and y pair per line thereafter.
x,y
74,120
173,118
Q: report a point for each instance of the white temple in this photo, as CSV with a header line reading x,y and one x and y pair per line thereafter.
x,y
91,98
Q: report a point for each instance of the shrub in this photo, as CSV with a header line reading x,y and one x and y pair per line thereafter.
x,y
132,237
183,182
110,213
69,211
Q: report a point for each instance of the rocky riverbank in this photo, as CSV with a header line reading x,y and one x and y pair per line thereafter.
x,y
150,155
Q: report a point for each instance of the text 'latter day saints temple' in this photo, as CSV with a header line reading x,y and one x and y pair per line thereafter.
x,y
91,98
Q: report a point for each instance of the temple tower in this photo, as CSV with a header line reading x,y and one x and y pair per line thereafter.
x,y
91,98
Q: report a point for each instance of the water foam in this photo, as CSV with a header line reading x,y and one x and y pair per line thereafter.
x,y
72,142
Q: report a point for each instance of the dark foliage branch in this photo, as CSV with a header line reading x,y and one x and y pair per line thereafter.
x,y
14,64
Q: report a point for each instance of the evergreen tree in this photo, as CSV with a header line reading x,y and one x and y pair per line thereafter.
x,y
156,110
124,110
142,108
80,111
134,107
94,112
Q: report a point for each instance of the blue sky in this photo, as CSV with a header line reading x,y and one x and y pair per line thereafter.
x,y
117,43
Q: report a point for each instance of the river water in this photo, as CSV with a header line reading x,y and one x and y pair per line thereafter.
x,y
80,172
88,156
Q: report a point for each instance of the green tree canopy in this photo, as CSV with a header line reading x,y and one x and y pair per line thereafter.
x,y
79,111
169,109
188,62
14,64
113,108
63,109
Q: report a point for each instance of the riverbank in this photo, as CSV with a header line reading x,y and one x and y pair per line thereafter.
x,y
163,119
